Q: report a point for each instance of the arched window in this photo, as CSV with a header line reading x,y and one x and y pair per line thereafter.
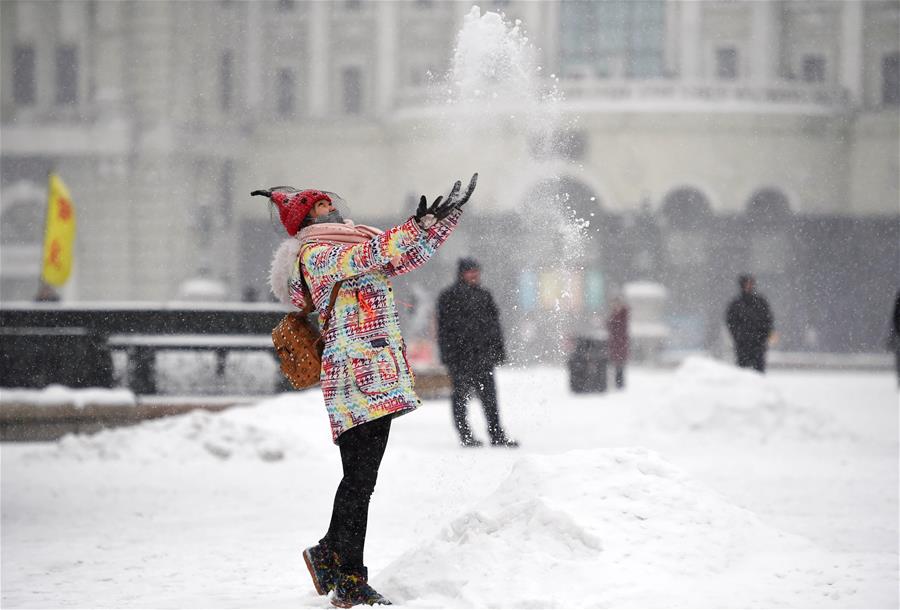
x,y
768,204
686,212
22,219
21,235
685,207
561,216
768,217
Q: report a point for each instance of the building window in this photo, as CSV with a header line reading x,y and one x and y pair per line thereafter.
x,y
23,75
66,74
226,75
423,3
352,5
814,69
286,5
351,79
890,79
286,97
612,38
726,63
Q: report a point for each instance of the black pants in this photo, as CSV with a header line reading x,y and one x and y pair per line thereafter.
x,y
752,357
897,359
482,383
362,448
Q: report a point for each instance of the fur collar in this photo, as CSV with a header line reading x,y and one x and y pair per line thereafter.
x,y
282,266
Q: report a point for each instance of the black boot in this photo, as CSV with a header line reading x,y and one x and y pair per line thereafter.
x,y
504,441
322,564
352,589
470,441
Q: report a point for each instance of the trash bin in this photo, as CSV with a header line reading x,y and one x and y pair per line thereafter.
x,y
587,365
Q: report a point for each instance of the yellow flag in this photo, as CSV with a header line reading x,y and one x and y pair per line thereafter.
x,y
59,236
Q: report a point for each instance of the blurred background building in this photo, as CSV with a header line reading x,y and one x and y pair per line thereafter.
x,y
711,138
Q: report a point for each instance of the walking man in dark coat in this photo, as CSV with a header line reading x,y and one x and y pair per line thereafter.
x,y
750,323
894,336
471,345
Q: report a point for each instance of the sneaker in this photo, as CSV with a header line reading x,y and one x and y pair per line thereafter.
x,y
470,441
352,589
322,564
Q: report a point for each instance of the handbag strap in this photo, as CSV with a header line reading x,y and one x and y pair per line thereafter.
x,y
334,292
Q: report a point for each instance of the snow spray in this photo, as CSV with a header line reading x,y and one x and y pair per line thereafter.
x,y
494,83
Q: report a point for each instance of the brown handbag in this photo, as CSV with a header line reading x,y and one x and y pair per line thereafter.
x,y
299,345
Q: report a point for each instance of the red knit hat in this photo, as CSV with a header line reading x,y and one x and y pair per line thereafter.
x,y
293,208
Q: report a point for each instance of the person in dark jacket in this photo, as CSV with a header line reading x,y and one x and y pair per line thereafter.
x,y
471,345
894,337
617,331
750,323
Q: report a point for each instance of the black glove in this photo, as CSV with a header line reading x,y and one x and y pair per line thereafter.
x,y
441,208
262,193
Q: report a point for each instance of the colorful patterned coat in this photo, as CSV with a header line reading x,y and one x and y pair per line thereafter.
x,y
365,373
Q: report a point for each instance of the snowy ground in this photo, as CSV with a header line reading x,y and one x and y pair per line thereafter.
x,y
701,487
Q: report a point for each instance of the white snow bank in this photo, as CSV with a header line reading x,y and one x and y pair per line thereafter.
x,y
266,431
708,395
607,528
57,395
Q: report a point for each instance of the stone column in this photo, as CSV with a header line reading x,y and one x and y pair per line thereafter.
x,y
764,42
110,40
851,68
255,83
671,40
541,21
319,58
691,64
386,57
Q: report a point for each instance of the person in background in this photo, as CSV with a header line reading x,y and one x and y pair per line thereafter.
x,y
617,341
365,377
750,322
471,345
894,335
46,293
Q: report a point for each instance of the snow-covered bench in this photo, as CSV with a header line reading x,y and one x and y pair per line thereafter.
x,y
141,350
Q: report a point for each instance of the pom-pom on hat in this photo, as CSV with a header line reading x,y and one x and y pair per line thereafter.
x,y
293,208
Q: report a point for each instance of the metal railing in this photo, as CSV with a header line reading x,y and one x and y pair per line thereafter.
x,y
72,345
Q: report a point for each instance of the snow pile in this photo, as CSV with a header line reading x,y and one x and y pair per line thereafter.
x,y
604,528
706,395
264,432
541,526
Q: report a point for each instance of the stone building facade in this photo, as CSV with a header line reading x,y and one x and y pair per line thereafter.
x,y
708,138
